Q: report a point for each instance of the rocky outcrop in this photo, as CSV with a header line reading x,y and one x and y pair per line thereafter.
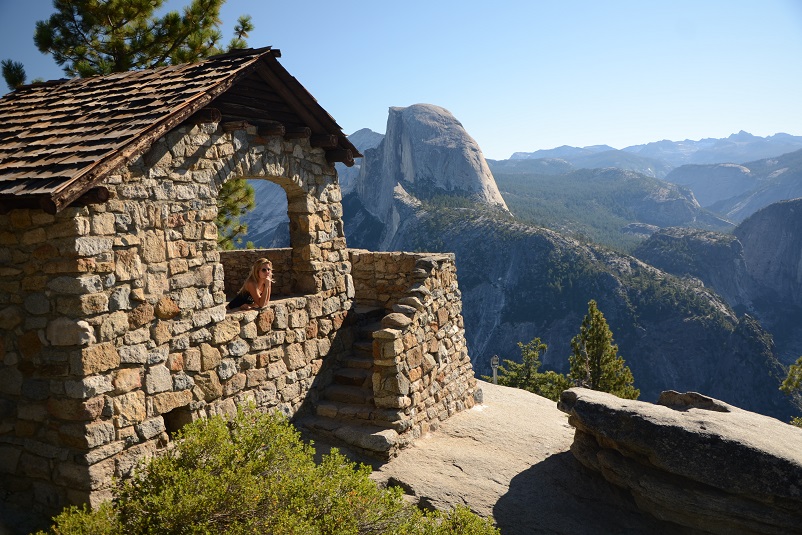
x,y
693,460
714,182
772,244
509,458
714,258
425,153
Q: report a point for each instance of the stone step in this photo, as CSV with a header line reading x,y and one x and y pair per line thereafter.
x,y
369,313
365,331
348,394
350,412
363,349
353,376
343,411
358,362
372,439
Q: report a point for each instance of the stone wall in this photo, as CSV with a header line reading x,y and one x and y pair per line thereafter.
x,y
421,363
114,333
113,329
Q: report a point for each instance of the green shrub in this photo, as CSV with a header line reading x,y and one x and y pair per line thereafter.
x,y
254,475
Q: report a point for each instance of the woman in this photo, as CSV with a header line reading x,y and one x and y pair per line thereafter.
x,y
255,293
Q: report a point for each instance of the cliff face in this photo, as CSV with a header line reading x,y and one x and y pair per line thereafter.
x,y
425,153
772,242
714,258
757,270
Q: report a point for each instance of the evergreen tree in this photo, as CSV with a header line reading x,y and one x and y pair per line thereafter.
x,y
595,363
13,73
792,385
96,37
525,375
235,199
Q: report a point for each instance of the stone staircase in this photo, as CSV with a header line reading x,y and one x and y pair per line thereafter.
x,y
345,413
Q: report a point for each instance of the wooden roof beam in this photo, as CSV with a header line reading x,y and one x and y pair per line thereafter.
x,y
340,155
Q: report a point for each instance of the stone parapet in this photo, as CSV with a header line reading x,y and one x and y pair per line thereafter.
x,y
421,363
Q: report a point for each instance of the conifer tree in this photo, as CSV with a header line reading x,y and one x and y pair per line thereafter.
x,y
526,374
792,385
595,363
13,73
97,37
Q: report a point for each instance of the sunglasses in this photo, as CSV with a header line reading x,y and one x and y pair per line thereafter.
x,y
265,269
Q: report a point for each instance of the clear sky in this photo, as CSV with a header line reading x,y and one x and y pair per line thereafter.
x,y
523,75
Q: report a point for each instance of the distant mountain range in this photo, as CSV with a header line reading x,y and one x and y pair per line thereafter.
x,y
658,158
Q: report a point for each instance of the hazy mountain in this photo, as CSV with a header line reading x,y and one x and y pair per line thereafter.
x,y
268,223
519,281
736,191
597,156
658,158
540,166
363,140
740,147
564,152
611,206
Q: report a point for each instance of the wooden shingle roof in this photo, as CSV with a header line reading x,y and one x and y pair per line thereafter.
x,y
60,139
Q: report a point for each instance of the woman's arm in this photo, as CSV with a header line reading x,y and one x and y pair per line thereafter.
x,y
261,296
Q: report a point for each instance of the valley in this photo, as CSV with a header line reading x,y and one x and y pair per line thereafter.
x,y
536,238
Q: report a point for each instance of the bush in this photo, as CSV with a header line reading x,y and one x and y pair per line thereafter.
x,y
253,474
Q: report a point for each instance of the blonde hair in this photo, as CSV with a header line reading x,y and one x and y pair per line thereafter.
x,y
254,274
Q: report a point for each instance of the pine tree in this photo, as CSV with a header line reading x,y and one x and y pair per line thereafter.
x,y
13,73
595,363
235,199
97,37
792,385
525,375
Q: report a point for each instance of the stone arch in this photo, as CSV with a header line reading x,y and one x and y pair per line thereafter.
x,y
314,209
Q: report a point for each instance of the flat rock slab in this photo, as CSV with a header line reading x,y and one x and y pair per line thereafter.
x,y
509,458
693,460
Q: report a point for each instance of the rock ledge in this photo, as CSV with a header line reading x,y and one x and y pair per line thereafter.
x,y
693,460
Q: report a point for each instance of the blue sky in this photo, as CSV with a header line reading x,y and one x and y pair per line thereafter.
x,y
524,75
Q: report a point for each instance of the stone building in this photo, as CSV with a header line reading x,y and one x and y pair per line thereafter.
x,y
113,327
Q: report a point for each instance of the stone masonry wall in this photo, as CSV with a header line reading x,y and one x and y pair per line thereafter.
x,y
421,363
113,329
114,333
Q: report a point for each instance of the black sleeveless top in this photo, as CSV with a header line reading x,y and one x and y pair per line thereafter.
x,y
240,299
